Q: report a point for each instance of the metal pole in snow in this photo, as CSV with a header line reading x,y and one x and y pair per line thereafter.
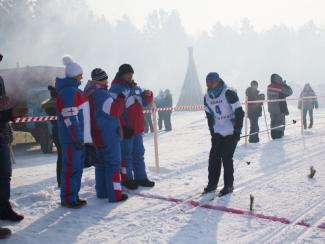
x,y
266,124
302,116
246,119
155,137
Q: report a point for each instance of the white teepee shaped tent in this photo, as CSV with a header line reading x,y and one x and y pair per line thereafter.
x,y
191,93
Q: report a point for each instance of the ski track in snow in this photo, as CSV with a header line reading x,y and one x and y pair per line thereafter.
x,y
276,176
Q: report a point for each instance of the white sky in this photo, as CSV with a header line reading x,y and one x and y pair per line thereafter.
x,y
198,15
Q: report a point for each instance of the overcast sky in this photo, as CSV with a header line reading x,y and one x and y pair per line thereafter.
x,y
200,15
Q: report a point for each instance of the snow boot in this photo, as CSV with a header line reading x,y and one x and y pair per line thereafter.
x,y
124,197
226,190
81,201
209,188
76,205
145,183
4,233
130,184
11,215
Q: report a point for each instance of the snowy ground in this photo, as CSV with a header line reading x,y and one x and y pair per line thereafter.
x,y
276,176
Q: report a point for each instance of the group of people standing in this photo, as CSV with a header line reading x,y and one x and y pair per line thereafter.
x,y
278,89
164,100
109,118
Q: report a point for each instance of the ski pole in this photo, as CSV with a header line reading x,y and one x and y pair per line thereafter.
x,y
273,128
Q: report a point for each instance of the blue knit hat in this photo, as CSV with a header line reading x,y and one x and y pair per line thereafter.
x,y
213,76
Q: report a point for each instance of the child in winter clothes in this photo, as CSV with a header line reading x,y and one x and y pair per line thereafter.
x,y
225,120
105,111
132,120
74,131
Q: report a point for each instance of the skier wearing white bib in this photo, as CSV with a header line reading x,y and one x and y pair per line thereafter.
x,y
225,120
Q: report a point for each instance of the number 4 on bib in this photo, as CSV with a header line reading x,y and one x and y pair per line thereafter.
x,y
218,111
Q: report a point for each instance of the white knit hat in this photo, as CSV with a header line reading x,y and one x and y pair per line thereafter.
x,y
72,69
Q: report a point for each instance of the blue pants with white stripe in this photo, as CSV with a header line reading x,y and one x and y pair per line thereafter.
x,y
107,171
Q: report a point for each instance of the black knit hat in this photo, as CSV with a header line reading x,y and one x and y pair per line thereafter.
x,y
99,74
125,69
1,57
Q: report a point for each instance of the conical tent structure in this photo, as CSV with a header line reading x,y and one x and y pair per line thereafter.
x,y
191,93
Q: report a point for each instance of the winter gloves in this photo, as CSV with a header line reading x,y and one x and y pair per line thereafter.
x,y
127,132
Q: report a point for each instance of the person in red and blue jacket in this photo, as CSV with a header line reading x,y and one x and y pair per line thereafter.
x,y
105,112
132,121
73,118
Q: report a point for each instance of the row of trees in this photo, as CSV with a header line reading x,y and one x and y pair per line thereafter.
x,y
39,32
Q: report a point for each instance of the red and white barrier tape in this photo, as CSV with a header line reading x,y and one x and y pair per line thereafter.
x,y
51,118
177,108
34,119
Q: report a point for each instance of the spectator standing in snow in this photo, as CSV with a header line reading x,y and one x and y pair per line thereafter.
x,y
6,115
160,103
105,111
74,131
278,89
168,102
254,110
308,105
225,120
148,119
133,166
50,108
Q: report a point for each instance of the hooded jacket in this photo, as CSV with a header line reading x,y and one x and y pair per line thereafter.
x,y
73,114
278,89
310,103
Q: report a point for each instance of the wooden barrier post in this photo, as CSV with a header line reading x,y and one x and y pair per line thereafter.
x,y
246,119
155,137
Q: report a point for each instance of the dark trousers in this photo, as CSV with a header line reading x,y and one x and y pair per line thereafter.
x,y
148,123
161,118
311,117
58,164
168,123
254,128
278,121
5,177
222,152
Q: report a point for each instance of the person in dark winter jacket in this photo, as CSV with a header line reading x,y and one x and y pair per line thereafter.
x,y
278,89
254,110
148,119
309,104
105,111
50,108
6,115
168,104
225,120
132,120
160,103
73,118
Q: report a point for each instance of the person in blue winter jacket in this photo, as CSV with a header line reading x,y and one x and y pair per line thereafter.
x,y
225,120
73,118
132,120
105,111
